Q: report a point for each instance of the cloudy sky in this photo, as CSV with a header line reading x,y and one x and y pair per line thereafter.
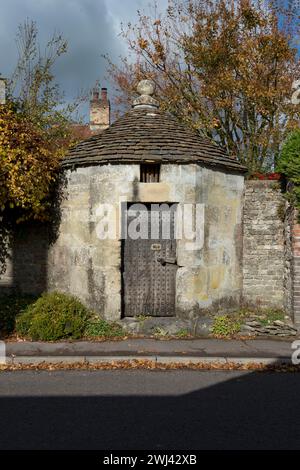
x,y
91,27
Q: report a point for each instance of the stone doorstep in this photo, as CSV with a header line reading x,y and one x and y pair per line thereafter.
x,y
167,325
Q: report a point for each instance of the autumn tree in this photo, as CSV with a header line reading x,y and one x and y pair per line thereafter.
x,y
224,67
35,133
28,166
34,129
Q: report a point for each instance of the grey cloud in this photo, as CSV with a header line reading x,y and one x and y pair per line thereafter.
x,y
90,26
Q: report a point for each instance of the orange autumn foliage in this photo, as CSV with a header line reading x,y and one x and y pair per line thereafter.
x,y
223,67
28,164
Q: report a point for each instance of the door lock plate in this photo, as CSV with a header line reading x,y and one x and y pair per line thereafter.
x,y
156,246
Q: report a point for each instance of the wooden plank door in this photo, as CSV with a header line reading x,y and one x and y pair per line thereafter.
x,y
149,265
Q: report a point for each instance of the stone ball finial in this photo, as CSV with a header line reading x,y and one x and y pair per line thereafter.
x,y
146,87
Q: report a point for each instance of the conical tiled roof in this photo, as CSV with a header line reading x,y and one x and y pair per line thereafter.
x,y
147,134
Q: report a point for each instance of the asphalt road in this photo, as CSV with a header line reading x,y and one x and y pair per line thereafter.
x,y
173,410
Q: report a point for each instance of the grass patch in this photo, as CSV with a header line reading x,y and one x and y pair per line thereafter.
x,y
100,328
183,333
271,315
226,325
160,331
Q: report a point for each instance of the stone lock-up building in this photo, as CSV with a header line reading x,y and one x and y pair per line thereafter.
x,y
146,157
144,173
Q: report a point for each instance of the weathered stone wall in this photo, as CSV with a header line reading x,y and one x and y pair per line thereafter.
x,y
208,277
80,262
288,278
26,266
264,250
250,250
295,235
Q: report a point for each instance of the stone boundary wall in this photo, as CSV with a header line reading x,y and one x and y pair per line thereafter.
x,y
265,272
295,288
270,261
289,216
26,269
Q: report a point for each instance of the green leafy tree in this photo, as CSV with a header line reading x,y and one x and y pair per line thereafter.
x,y
289,165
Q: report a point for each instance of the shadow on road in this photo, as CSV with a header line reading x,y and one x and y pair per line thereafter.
x,y
252,411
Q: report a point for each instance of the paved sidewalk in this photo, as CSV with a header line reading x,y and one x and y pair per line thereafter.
x,y
183,351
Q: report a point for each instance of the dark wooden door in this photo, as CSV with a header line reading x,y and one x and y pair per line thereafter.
x,y
149,265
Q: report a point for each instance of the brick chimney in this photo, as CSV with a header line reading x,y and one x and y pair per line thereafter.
x,y
2,91
99,109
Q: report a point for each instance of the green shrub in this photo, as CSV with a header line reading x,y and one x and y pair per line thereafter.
x,y
98,327
52,317
270,315
10,307
226,325
289,165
